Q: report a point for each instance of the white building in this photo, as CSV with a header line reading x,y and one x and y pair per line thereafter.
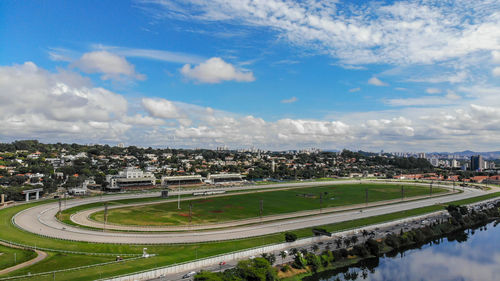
x,y
131,178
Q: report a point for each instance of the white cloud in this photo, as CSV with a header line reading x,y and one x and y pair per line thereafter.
x,y
433,91
450,98
353,90
453,78
110,65
395,127
36,102
376,82
161,108
216,70
496,71
64,106
161,55
401,32
290,100
143,120
496,56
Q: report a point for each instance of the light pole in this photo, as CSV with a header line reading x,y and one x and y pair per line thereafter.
x,y
261,209
179,196
321,202
366,196
60,203
105,214
190,212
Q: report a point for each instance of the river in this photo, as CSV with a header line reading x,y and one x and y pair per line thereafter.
x,y
469,255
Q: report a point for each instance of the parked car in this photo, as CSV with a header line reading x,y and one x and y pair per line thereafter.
x,y
190,274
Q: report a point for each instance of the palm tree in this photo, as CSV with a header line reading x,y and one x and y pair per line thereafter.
x,y
283,256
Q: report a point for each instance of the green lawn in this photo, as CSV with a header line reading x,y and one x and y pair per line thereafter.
x,y
167,254
53,261
237,207
7,256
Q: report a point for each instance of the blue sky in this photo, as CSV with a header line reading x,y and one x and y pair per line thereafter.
x,y
393,75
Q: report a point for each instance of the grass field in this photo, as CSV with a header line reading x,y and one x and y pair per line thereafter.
x,y
7,256
167,254
237,207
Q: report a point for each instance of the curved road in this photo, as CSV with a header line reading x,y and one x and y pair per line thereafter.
x,y
41,220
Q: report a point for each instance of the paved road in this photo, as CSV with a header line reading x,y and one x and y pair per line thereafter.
x,y
41,220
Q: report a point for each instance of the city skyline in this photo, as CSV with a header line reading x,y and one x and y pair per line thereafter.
x,y
394,75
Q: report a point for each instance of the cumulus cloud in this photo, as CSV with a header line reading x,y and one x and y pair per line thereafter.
x,y
110,65
143,120
64,106
290,100
376,82
496,56
395,127
496,71
353,90
216,70
161,108
34,101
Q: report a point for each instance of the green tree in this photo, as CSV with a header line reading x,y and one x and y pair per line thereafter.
x,y
258,269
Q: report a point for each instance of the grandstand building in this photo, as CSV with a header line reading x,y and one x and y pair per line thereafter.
x,y
224,178
182,180
131,179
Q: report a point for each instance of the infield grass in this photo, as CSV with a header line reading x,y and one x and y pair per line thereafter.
x,y
246,206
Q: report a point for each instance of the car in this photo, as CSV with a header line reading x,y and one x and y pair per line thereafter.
x,y
190,274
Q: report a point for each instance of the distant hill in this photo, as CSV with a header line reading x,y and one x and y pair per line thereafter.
x,y
469,153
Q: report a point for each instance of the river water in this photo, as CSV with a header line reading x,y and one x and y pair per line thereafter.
x,y
469,255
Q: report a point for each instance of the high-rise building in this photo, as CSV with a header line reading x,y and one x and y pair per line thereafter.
x,y
476,163
434,162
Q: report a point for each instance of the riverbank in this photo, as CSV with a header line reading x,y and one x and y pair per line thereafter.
x,y
308,264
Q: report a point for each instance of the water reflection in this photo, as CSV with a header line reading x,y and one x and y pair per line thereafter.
x,y
469,255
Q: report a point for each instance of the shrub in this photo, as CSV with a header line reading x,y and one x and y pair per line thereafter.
x,y
360,251
285,268
290,236
373,247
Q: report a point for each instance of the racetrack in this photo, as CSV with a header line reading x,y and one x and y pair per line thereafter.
x,y
41,220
